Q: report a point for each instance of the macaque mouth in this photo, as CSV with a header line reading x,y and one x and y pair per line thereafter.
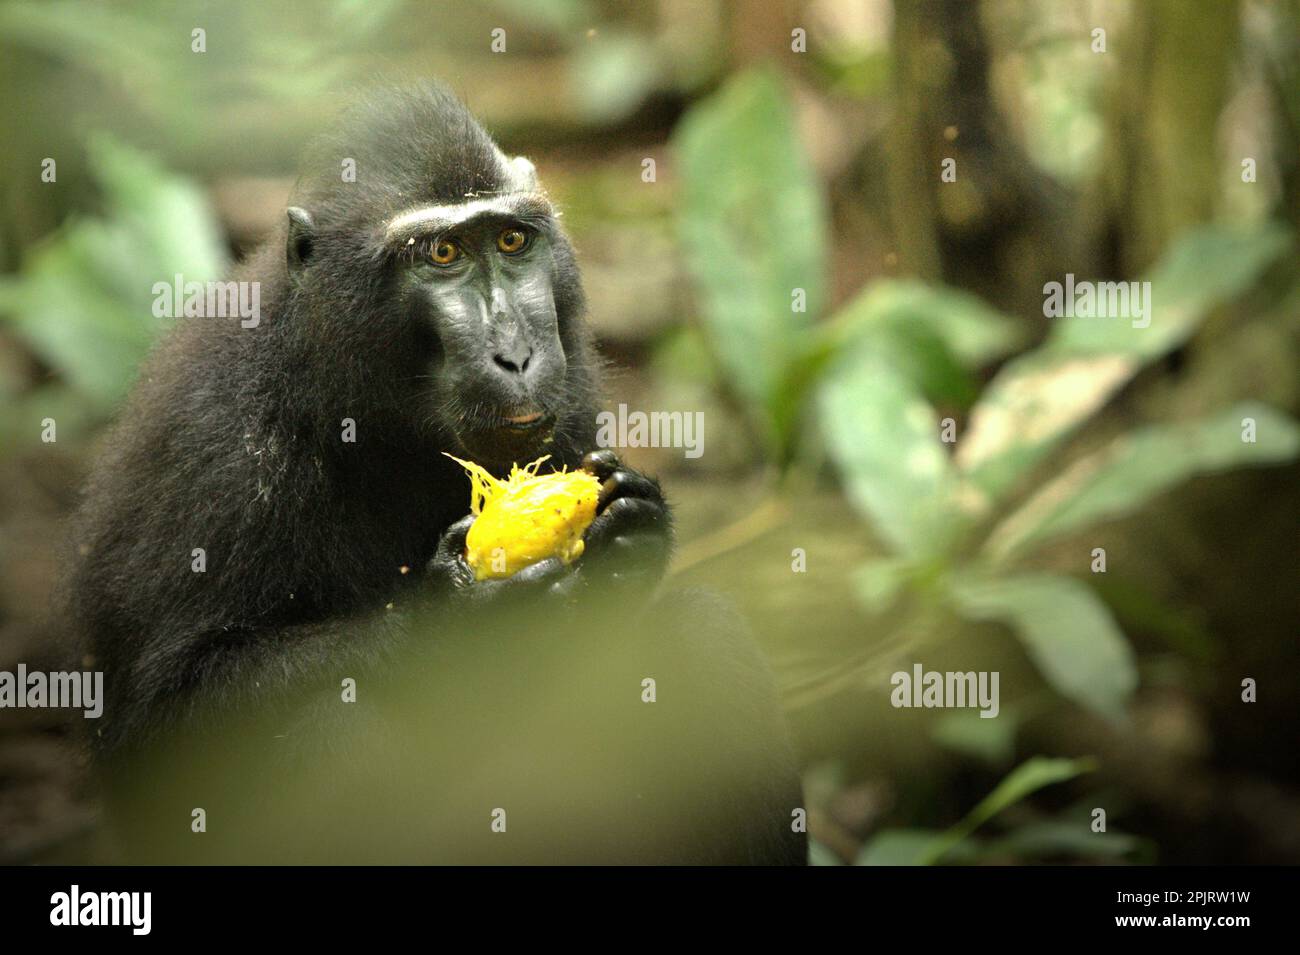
x,y
530,421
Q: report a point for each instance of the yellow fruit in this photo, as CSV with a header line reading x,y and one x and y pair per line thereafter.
x,y
526,518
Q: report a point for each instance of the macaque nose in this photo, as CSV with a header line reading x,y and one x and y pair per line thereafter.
x,y
514,359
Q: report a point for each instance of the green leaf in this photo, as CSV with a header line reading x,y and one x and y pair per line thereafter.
x,y
1032,404
1039,398
84,301
168,215
1029,777
819,854
752,224
60,307
972,333
932,335
1060,837
884,440
1026,779
991,741
927,847
1135,467
1067,631
878,582
919,354
1203,268
898,847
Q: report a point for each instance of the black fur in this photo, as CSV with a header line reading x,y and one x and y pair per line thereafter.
x,y
323,563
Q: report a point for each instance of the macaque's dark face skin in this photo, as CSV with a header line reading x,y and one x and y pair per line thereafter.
x,y
443,279
482,296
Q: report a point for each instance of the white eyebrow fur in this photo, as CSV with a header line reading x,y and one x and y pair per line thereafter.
x,y
449,216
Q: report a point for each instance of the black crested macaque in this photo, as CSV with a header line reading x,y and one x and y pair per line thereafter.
x,y
299,664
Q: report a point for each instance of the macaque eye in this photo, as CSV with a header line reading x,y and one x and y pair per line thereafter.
x,y
445,252
512,240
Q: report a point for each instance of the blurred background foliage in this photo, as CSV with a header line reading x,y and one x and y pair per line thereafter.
x,y
798,271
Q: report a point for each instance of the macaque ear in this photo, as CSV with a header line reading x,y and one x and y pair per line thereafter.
x,y
302,233
521,174
524,173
